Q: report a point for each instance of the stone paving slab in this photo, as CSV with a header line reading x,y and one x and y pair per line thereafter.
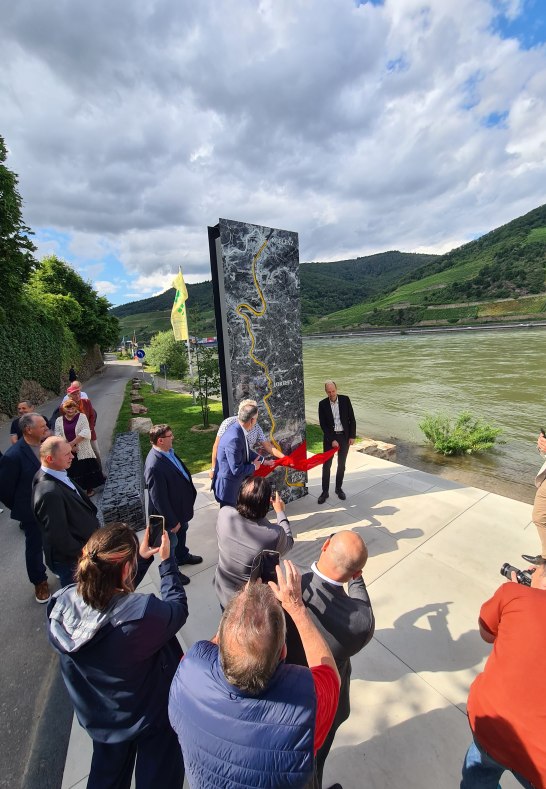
x,y
435,551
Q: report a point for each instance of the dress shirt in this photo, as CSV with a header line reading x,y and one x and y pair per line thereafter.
x,y
338,427
315,569
62,476
174,460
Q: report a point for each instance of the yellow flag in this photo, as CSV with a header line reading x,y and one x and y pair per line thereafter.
x,y
179,320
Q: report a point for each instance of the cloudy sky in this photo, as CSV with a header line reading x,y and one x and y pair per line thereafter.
x,y
363,126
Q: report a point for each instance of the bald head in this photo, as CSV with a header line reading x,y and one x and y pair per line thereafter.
x,y
343,555
56,453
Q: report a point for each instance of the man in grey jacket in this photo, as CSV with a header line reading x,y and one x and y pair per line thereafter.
x,y
345,620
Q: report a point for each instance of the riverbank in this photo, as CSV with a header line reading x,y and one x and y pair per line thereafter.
x,y
470,470
422,458
404,330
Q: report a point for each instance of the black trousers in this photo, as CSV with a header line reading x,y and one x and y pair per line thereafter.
x,y
158,762
323,752
341,458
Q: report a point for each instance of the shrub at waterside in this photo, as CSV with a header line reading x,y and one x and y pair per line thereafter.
x,y
465,436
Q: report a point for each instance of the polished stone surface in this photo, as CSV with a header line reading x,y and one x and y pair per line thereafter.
x,y
262,334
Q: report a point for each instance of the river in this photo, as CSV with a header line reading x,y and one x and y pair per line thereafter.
x,y
394,380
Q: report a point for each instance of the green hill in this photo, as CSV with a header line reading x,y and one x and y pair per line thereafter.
x,y
149,316
324,287
328,287
500,276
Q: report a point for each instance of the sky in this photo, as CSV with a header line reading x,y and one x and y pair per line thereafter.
x,y
363,126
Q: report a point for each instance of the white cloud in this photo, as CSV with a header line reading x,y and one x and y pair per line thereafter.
x,y
105,288
363,128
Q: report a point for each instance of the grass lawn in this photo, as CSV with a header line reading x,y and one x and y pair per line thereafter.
x,y
181,414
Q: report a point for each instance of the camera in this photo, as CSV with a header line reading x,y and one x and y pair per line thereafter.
x,y
522,576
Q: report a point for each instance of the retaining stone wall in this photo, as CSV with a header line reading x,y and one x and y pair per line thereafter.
x,y
123,495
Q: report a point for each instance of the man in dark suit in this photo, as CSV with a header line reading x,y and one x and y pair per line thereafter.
x,y
171,492
234,459
17,469
337,421
66,515
345,620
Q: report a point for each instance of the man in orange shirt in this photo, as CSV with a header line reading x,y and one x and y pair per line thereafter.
x,y
507,701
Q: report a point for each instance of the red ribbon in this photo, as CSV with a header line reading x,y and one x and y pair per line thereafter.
x,y
298,460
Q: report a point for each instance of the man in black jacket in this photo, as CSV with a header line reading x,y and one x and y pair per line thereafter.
x,y
17,469
337,421
66,515
172,492
346,621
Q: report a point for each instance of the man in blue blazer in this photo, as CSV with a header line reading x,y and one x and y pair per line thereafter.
x,y
17,469
235,460
171,491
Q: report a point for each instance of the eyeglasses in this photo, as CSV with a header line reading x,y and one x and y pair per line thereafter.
x,y
168,435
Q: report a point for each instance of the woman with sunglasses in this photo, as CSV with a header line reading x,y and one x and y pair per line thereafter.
x,y
119,653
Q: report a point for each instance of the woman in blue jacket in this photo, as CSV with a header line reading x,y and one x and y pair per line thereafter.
x,y
119,653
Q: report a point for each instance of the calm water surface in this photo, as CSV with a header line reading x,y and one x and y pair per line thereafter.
x,y
394,380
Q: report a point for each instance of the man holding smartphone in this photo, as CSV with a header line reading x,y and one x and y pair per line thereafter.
x,y
242,715
171,492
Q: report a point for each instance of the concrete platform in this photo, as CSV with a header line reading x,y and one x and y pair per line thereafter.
x,y
436,548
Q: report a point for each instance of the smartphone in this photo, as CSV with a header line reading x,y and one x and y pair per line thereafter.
x,y
542,431
157,527
263,566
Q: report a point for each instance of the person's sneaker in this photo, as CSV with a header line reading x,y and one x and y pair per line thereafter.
x,y
42,592
322,498
184,578
341,494
191,558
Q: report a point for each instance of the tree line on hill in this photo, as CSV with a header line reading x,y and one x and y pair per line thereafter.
x,y
508,262
325,287
49,316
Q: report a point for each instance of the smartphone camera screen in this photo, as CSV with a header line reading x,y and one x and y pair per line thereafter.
x,y
157,526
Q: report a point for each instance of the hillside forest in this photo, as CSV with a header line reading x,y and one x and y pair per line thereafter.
x,y
497,277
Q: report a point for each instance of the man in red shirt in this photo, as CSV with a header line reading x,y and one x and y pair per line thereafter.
x,y
507,701
243,717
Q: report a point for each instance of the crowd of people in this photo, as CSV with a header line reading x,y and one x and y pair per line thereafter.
x,y
260,702
63,449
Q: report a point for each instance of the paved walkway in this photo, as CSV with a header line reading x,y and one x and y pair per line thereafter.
x,y
436,548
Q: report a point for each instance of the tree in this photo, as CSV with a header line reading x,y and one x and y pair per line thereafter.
x,y
16,248
94,323
207,382
164,349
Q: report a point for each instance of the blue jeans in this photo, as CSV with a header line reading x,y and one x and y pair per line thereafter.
x,y
481,771
178,543
65,572
34,557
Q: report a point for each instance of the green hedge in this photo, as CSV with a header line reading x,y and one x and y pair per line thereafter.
x,y
33,348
